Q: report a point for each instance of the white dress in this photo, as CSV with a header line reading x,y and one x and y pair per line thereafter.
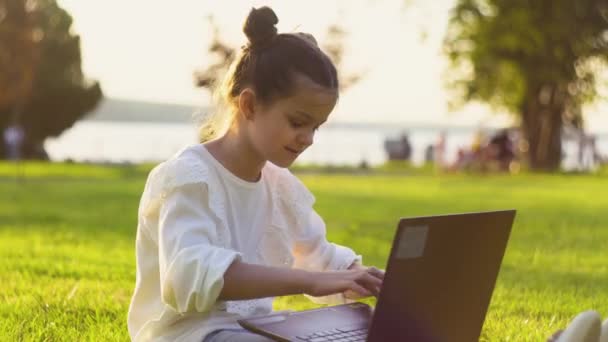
x,y
195,218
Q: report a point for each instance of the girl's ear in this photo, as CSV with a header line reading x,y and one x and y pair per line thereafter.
x,y
247,103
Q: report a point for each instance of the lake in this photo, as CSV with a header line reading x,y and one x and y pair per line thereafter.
x,y
335,144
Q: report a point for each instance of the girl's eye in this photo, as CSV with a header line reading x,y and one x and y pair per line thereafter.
x,y
295,124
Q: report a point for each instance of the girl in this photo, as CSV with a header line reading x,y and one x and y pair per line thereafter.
x,y
223,226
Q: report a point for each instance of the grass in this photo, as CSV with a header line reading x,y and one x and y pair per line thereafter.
x,y
67,243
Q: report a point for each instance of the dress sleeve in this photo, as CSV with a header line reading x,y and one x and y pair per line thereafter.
x,y
191,266
313,252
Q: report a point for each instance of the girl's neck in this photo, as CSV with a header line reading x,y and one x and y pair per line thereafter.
x,y
237,156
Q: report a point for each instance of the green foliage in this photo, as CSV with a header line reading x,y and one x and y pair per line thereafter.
x,y
537,59
503,48
67,263
59,94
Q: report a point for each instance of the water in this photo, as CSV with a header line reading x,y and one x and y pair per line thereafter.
x,y
135,142
99,141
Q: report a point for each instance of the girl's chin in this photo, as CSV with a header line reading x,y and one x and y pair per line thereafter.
x,y
283,162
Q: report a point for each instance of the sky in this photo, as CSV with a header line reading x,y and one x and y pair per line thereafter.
x,y
148,50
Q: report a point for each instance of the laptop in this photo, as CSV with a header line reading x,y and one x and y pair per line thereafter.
x,y
437,287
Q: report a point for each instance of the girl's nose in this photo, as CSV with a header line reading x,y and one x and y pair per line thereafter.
x,y
307,138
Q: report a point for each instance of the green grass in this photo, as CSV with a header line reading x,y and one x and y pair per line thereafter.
x,y
67,243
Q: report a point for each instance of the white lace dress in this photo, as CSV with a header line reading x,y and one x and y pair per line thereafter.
x,y
185,242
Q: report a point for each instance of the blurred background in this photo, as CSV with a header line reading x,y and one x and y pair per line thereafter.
x,y
419,77
446,106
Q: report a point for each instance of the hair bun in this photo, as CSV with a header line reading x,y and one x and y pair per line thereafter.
x,y
259,26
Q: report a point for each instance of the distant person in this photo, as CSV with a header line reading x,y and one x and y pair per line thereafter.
x,y
590,158
501,149
13,139
439,150
223,226
582,150
406,146
597,157
398,149
429,153
476,144
463,160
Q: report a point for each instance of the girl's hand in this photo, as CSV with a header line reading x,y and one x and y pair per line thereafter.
x,y
371,270
355,283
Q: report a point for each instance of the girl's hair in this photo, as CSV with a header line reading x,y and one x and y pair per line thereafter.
x,y
268,64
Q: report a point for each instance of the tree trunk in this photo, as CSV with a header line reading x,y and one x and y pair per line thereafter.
x,y
34,150
542,127
3,152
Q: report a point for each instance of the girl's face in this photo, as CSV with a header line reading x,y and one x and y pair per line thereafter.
x,y
283,129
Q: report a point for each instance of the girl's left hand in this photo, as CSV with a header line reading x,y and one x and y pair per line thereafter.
x,y
372,271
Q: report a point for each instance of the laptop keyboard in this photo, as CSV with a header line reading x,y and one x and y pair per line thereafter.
x,y
348,334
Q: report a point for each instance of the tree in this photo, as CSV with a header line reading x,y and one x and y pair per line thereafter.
x,y
224,55
59,93
537,59
18,52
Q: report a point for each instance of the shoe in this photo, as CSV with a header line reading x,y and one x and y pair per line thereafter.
x,y
586,327
604,335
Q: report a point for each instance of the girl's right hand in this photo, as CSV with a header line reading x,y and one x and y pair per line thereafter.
x,y
363,282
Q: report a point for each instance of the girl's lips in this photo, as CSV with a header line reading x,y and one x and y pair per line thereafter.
x,y
292,150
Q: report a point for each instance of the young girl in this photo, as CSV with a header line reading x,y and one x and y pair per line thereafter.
x,y
223,226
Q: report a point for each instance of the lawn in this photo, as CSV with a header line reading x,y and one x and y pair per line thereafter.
x,y
67,233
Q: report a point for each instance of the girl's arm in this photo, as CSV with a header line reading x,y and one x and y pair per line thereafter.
x,y
194,273
247,281
313,252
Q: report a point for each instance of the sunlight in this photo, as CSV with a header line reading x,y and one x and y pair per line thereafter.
x,y
148,50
